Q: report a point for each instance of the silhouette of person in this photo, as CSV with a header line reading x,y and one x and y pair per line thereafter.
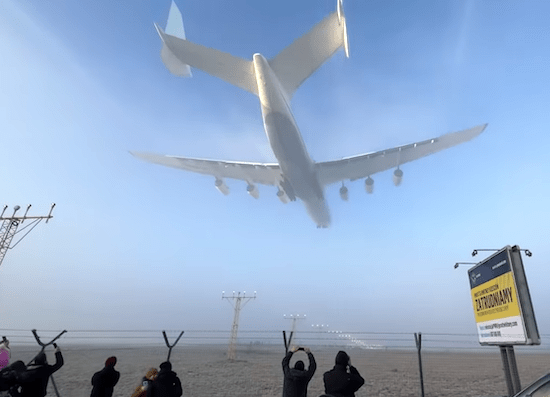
x,y
146,381
5,353
34,380
296,379
104,381
338,381
9,377
167,383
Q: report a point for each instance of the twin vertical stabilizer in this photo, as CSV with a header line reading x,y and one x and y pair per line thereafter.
x,y
174,27
292,66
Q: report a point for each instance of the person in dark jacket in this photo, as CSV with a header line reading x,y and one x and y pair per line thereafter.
x,y
104,381
34,380
9,377
166,384
338,381
296,379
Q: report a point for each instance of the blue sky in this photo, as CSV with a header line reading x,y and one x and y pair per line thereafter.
x,y
138,246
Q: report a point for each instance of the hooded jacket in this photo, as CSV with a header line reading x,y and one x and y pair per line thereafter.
x,y
34,381
104,382
339,382
296,380
166,384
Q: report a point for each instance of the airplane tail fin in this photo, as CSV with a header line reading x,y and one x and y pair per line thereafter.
x,y
174,27
297,62
179,54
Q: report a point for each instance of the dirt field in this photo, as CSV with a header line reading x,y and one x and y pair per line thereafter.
x,y
205,371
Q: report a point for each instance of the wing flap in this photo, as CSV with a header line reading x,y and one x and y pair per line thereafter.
x,y
361,166
263,173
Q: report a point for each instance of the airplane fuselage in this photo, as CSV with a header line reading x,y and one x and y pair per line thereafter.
x,y
287,144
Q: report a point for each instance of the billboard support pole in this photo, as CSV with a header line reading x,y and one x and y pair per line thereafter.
x,y
510,367
506,367
513,368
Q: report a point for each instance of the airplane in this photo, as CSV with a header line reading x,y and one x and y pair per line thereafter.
x,y
274,81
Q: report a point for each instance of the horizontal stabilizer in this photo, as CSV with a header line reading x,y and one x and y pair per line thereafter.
x,y
232,69
303,57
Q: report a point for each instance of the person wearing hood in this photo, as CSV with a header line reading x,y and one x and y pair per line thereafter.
x,y
296,379
34,381
339,382
166,384
5,353
104,381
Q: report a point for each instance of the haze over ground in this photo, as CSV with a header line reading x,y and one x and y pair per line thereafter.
x,y
138,246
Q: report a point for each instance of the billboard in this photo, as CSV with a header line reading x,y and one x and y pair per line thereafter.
x,y
502,304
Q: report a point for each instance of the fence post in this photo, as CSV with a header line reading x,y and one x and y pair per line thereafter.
x,y
418,340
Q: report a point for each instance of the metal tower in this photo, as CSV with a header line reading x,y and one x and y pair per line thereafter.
x,y
10,225
237,301
294,318
322,330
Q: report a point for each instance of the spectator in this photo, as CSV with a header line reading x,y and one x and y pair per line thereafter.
x,y
296,379
5,353
167,383
146,381
34,381
338,381
104,381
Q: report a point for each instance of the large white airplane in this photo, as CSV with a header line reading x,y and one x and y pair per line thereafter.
x,y
274,81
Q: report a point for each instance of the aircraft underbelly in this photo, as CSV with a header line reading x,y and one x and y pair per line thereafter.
x,y
291,154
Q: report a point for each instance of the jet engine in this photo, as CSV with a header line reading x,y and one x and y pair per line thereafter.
x,y
221,186
397,177
283,196
369,185
344,194
253,191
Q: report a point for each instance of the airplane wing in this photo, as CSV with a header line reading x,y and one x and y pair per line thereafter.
x,y
364,165
263,173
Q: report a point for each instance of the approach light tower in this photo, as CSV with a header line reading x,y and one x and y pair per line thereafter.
x,y
321,330
237,301
11,223
294,318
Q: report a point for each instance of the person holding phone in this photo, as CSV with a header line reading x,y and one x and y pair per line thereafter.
x,y
296,379
344,379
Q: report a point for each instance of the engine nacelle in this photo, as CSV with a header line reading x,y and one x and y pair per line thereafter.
x,y
369,185
344,193
397,177
221,186
253,191
281,195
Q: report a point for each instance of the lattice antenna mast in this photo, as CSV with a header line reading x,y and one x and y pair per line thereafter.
x,y
237,301
10,224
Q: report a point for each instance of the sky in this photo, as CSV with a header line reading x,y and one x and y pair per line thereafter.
x,y
134,245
